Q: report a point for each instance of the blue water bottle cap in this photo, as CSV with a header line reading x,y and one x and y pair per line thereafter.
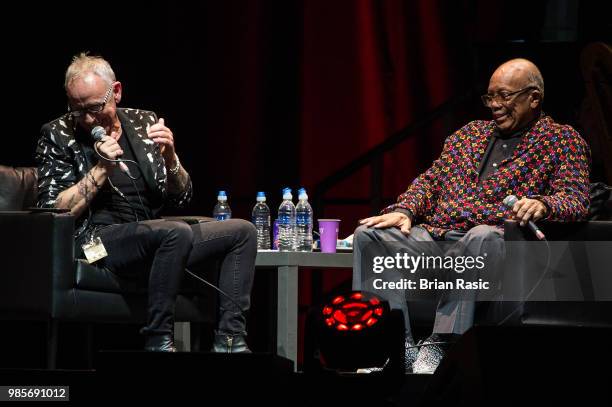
x,y
287,193
261,197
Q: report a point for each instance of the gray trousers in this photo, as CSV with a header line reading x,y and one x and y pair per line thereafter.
x,y
452,316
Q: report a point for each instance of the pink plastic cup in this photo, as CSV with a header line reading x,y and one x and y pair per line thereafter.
x,y
328,229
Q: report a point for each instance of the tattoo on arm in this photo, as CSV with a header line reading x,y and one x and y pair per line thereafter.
x,y
71,202
84,190
177,183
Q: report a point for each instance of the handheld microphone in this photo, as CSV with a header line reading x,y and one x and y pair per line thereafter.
x,y
509,201
97,133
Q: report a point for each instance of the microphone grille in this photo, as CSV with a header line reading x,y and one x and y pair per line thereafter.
x,y
510,200
98,132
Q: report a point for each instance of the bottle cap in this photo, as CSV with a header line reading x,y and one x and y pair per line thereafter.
x,y
287,193
222,196
261,197
302,194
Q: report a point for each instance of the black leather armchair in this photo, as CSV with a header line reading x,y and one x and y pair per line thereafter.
x,y
41,280
589,312
586,312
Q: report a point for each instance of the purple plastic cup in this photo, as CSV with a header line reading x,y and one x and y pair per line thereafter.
x,y
328,229
275,235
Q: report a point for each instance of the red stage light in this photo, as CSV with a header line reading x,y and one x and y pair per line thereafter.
x,y
354,315
353,330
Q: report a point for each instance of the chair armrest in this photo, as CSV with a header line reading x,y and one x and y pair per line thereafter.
x,y
563,231
37,251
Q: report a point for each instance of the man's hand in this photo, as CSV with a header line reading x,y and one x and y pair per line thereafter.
x,y
109,148
393,219
163,136
529,209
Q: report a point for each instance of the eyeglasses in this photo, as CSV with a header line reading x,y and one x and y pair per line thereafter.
x,y
93,109
503,97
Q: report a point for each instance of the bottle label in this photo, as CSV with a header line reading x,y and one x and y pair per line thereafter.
x,y
303,219
284,220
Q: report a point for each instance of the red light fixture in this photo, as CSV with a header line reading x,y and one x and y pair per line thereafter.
x,y
353,312
354,330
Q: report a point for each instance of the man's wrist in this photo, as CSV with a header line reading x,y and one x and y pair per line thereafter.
x,y
406,212
174,166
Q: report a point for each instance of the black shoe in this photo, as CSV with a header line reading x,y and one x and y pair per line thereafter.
x,y
160,343
230,343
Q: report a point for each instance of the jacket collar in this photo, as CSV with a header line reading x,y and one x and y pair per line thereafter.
x,y
142,146
531,137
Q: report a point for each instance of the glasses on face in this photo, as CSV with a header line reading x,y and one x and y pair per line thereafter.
x,y
503,97
93,109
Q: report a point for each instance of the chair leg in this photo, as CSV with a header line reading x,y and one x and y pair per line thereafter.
x,y
182,336
196,337
90,345
52,337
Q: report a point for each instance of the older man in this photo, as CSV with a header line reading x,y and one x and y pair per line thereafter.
x,y
460,197
117,204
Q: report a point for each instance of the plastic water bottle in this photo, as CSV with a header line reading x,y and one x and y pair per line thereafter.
x,y
222,210
303,222
286,223
261,220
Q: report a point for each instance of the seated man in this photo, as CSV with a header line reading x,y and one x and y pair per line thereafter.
x,y
460,197
117,205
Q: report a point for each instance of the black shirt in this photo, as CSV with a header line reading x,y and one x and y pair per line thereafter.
x,y
109,206
500,148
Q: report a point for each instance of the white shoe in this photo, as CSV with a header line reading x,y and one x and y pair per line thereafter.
x,y
429,356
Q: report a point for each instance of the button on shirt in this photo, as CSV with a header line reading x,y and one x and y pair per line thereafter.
x,y
500,148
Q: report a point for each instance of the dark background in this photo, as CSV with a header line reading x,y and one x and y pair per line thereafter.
x,y
266,94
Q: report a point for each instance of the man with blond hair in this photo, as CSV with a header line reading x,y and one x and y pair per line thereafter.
x,y
117,204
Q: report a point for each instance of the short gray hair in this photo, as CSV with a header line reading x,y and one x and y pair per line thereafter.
x,y
536,80
84,63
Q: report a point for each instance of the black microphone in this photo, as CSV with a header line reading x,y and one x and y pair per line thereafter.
x,y
509,201
97,133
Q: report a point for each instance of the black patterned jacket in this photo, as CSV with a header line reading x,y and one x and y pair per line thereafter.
x,y
62,162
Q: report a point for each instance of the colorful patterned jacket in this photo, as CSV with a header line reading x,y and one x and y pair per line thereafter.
x,y
62,162
551,163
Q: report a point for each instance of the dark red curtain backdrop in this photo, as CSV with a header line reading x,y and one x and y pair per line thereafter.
x,y
368,70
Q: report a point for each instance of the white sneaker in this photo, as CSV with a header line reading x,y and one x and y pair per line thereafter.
x,y
429,356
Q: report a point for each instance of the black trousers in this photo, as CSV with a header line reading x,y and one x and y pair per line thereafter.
x,y
163,248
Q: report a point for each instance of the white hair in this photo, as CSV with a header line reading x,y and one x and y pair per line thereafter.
x,y
83,64
535,79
